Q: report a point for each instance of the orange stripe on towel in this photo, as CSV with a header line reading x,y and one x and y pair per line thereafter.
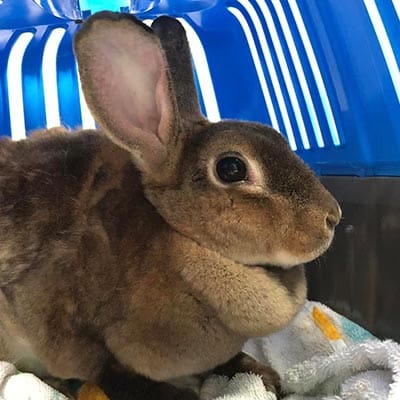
x,y
325,324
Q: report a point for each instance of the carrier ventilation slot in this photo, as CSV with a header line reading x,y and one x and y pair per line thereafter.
x,y
297,100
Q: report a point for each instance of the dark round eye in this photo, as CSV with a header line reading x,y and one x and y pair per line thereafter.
x,y
231,169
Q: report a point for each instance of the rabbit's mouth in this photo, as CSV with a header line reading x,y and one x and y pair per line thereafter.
x,y
285,259
275,269
269,267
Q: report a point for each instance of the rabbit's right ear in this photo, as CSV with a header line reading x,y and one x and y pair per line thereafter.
x,y
126,83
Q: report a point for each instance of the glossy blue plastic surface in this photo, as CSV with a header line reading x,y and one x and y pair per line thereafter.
x,y
324,73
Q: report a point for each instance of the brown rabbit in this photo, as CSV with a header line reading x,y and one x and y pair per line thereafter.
x,y
152,249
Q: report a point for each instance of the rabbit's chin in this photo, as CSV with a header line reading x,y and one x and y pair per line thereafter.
x,y
285,259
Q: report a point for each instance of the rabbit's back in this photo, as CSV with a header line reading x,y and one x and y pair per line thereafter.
x,y
47,184
51,163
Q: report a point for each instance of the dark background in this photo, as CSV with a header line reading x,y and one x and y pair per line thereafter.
x,y
359,276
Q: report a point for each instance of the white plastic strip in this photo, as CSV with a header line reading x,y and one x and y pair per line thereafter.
x,y
203,72
260,73
48,4
49,73
284,68
385,45
299,71
88,121
396,5
316,71
14,85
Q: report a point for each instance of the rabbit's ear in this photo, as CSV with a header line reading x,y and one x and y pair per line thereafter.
x,y
126,83
176,47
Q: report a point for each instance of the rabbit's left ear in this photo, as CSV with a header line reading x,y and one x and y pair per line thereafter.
x,y
125,80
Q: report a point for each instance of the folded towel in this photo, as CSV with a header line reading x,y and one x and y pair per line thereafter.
x,y
367,371
362,371
322,355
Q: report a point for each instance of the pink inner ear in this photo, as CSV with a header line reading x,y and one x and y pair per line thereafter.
x,y
164,107
126,75
136,73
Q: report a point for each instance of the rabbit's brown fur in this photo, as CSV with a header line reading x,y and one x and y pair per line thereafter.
x,y
130,248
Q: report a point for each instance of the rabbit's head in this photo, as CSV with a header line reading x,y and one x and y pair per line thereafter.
x,y
233,187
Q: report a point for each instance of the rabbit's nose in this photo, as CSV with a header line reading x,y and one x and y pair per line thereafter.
x,y
333,216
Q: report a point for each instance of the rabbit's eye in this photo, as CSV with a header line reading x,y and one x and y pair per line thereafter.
x,y
231,169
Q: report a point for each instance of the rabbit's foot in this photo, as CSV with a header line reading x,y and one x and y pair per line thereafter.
x,y
244,363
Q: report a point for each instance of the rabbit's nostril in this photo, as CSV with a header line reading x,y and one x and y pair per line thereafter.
x,y
333,217
331,221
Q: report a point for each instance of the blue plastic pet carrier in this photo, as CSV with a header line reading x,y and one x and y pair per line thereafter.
x,y
324,73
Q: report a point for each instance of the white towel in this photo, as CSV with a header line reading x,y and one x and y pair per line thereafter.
x,y
320,356
241,386
368,371
23,386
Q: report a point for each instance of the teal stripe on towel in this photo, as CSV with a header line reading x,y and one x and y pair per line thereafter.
x,y
355,332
